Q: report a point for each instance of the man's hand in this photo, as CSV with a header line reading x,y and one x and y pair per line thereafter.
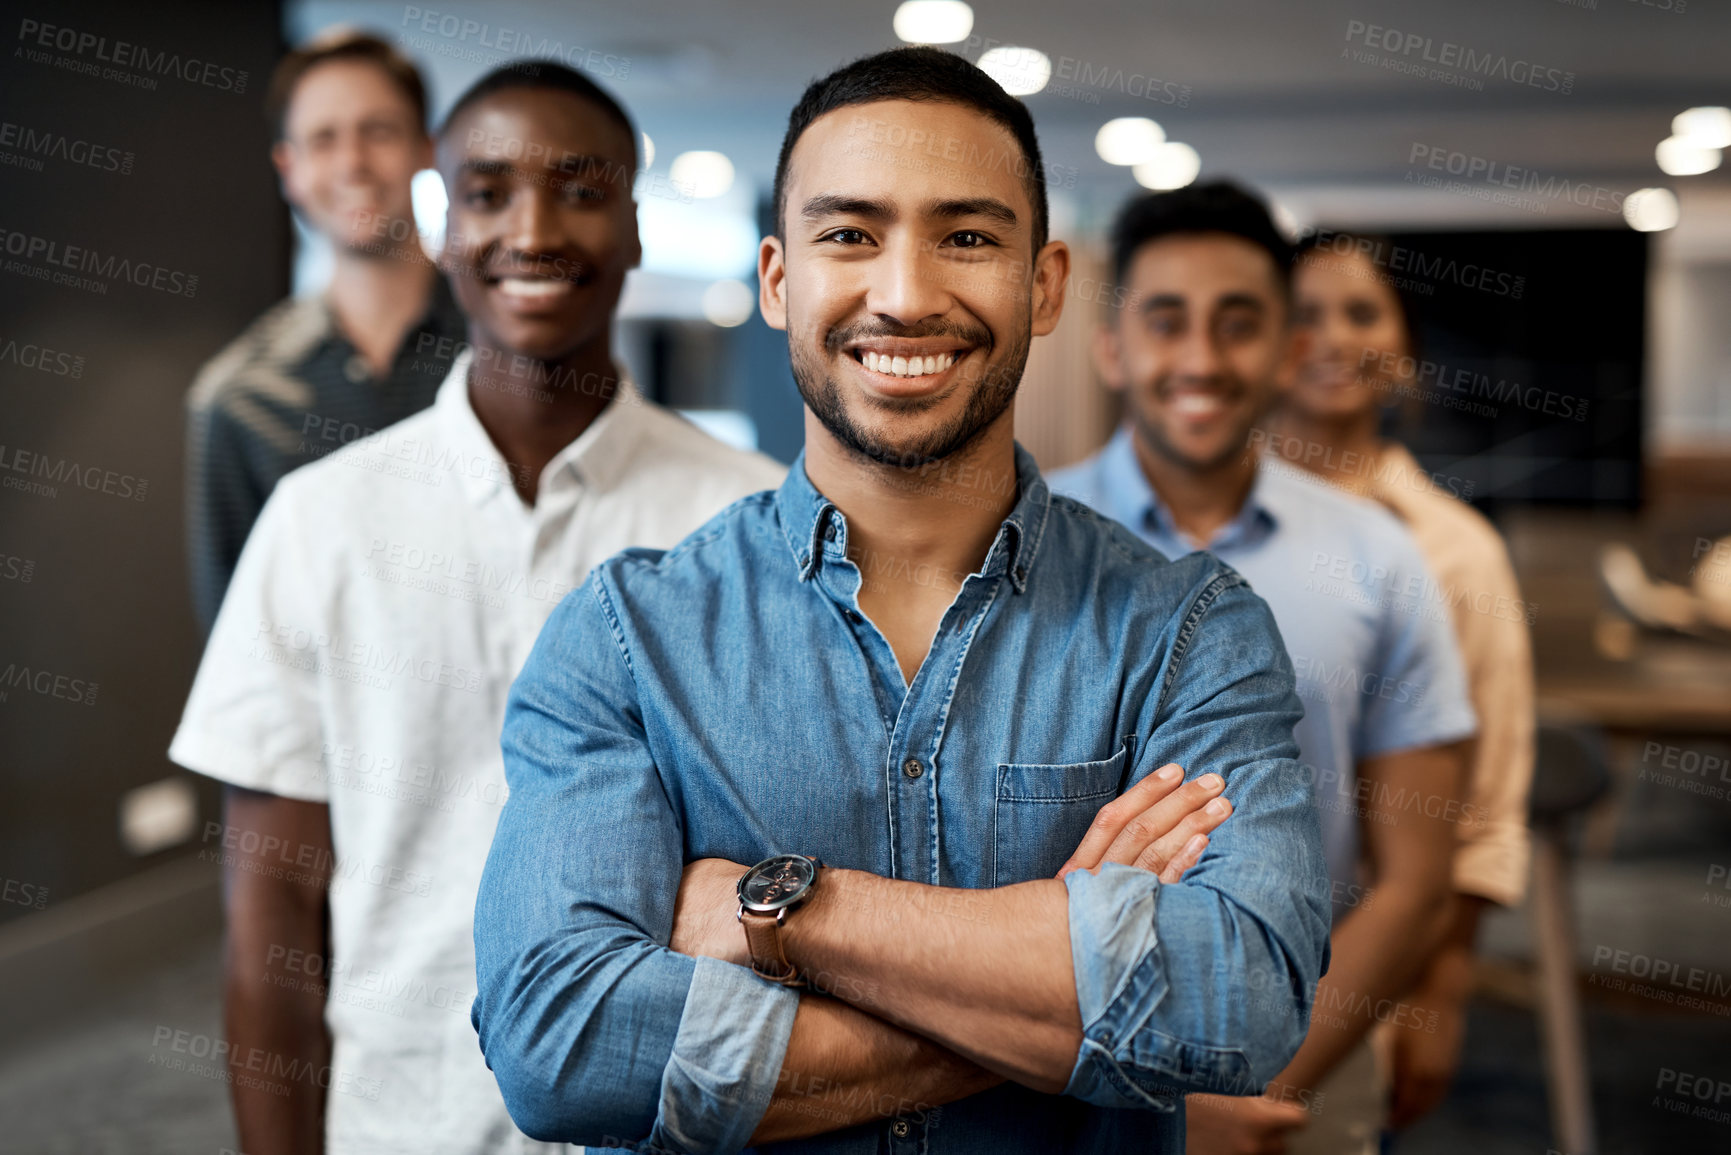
x,y
706,913
1424,1065
1228,1125
1161,824
1424,1061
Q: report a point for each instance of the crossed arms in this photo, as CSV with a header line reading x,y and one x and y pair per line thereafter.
x,y
1113,985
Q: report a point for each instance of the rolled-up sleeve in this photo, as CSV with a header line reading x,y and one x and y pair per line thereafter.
x,y
596,1031
1206,984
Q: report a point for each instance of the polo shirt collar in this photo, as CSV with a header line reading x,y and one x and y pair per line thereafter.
x,y
816,529
597,459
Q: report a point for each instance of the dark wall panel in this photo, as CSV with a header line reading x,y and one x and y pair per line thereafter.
x,y
140,230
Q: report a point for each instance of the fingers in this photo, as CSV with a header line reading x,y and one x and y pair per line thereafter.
x,y
1117,813
1152,838
1189,856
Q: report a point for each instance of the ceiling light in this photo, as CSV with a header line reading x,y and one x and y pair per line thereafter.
x,y
702,174
1679,156
1174,165
1706,127
1128,140
1650,210
1019,71
933,21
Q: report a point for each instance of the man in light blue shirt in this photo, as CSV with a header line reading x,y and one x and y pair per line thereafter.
x,y
961,710
1199,350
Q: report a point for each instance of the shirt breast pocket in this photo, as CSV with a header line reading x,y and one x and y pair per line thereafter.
x,y
1042,812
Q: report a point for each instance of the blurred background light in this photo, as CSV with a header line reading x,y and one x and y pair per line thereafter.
x,y
427,195
1173,165
1651,210
728,303
1705,127
1019,71
1129,140
1679,156
933,21
702,173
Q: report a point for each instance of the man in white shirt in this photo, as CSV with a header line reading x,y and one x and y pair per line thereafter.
x,y
354,686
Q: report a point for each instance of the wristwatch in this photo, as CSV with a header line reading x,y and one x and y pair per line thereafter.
x,y
767,892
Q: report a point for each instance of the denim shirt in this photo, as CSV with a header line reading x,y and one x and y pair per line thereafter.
x,y
728,698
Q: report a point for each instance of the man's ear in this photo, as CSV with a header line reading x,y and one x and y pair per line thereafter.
x,y
1051,278
1297,344
634,230
282,158
772,282
1106,349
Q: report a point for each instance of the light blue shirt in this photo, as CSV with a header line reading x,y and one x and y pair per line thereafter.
x,y
728,698
1377,664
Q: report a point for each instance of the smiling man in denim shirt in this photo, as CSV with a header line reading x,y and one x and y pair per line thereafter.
x,y
964,699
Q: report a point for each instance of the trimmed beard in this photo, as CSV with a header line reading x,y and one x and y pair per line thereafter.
x,y
991,395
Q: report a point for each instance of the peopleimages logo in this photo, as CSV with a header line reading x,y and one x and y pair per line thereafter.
x,y
458,31
1489,172
34,145
1457,63
80,259
123,54
26,463
1422,267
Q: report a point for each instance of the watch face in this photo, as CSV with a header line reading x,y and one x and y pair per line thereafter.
x,y
776,882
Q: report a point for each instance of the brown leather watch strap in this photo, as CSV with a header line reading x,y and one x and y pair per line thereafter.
x,y
763,938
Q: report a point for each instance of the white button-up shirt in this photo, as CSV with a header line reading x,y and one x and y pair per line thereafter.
x,y
382,607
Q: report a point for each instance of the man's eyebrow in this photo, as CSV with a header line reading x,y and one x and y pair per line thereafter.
x,y
835,204
989,207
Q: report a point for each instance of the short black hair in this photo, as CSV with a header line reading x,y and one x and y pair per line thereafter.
x,y
542,74
928,74
1220,206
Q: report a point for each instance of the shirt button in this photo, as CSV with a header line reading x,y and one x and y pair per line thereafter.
x,y
912,768
899,1128
356,369
851,616
1021,573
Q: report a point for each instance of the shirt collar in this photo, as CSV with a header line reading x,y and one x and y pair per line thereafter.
x,y
1128,498
442,316
816,529
596,459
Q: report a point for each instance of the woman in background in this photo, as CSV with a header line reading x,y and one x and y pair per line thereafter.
x,y
1357,363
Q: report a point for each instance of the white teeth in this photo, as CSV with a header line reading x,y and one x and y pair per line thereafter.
x,y
532,289
907,366
1196,404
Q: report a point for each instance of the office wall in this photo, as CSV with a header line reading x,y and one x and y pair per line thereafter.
x,y
141,231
